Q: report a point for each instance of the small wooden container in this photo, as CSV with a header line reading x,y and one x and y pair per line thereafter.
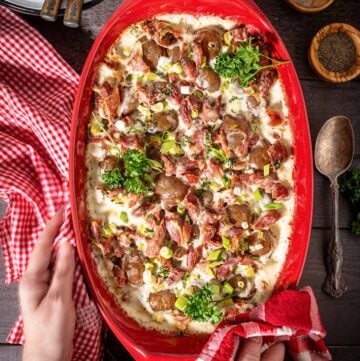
x,y
318,67
310,6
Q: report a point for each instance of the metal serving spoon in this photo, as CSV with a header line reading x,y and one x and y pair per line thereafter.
x,y
334,151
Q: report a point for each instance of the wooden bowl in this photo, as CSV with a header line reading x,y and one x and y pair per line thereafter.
x,y
324,73
310,6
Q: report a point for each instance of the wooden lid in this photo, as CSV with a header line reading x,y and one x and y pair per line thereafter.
x,y
310,6
335,77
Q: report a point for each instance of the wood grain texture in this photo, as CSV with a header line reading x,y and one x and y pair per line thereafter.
x,y
9,305
10,353
340,317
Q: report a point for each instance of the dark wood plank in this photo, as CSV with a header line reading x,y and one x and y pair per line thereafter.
x,y
341,317
345,353
9,308
10,353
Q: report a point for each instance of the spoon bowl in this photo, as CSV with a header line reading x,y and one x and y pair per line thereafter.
x,y
334,152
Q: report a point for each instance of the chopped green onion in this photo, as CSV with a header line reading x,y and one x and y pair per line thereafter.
x,y
228,288
227,182
181,209
181,303
249,272
166,252
194,113
198,93
239,200
266,170
225,303
124,217
226,243
273,205
215,264
257,195
214,255
172,148
215,289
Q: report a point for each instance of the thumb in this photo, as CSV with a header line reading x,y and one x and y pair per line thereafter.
x,y
250,350
63,272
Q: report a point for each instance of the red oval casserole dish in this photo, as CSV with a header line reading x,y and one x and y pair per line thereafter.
x,y
151,345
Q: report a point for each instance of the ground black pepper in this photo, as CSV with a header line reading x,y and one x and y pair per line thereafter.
x,y
337,52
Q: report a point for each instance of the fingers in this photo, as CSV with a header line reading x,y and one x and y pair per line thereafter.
x,y
250,350
274,353
41,255
63,276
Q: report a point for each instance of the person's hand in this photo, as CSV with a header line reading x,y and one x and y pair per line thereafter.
x,y
46,299
250,350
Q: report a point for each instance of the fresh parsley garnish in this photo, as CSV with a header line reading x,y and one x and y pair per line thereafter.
x,y
135,185
136,163
201,307
350,187
113,178
135,178
243,64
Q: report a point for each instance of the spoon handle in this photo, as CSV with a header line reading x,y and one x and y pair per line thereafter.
x,y
334,284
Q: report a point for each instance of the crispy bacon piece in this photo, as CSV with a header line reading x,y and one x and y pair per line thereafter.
x,y
189,67
197,53
277,190
225,270
192,205
153,245
216,168
275,117
108,100
95,229
185,112
134,199
162,32
266,220
208,231
131,141
145,95
175,275
137,63
267,78
193,257
178,229
144,209
191,178
169,165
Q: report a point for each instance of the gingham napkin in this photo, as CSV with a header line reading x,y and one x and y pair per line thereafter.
x,y
289,316
36,94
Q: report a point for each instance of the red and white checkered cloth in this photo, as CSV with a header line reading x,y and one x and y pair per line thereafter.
x,y
289,316
36,95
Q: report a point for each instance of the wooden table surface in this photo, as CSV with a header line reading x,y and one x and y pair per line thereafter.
x,y
341,317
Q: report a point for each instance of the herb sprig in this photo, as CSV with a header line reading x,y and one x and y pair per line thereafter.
x,y
134,179
201,307
244,64
350,187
